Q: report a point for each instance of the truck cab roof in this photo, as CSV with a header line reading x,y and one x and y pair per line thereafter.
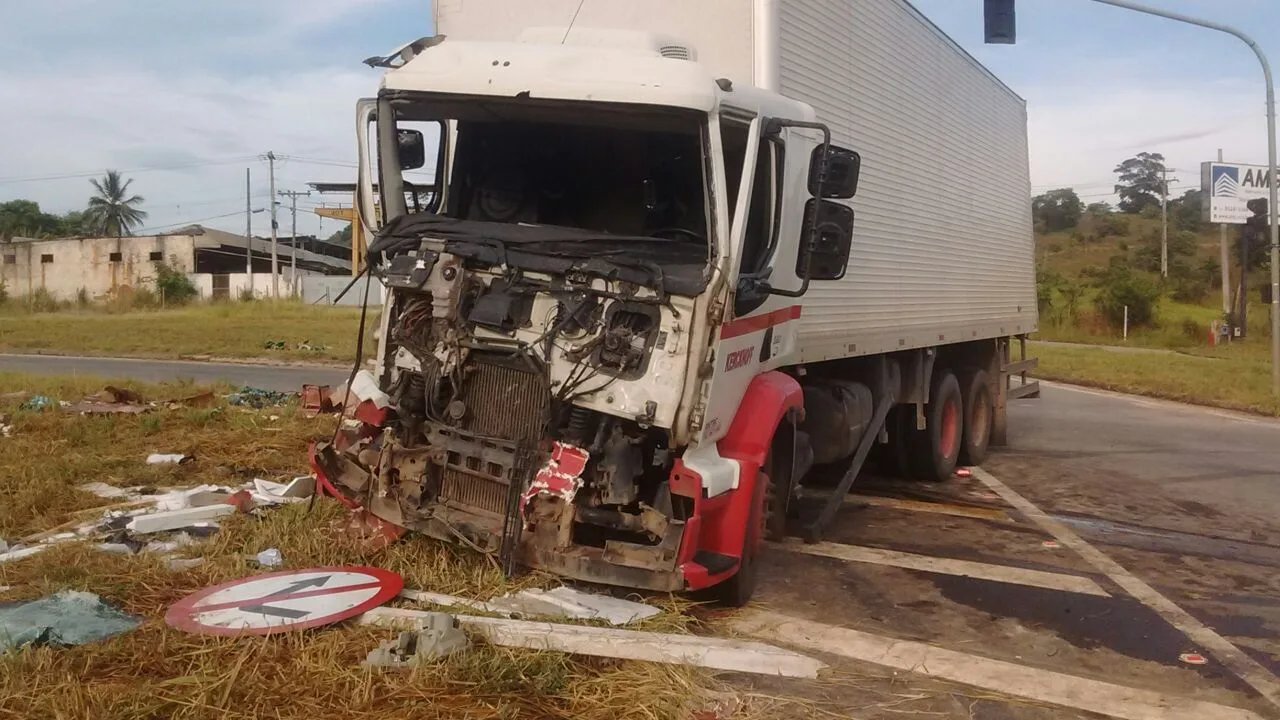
x,y
632,70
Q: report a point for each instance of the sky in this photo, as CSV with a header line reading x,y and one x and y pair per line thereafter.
x,y
184,96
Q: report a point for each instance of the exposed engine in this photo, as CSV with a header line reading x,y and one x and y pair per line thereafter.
x,y
525,421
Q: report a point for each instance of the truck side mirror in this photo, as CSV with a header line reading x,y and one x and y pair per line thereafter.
x,y
840,180
411,149
826,255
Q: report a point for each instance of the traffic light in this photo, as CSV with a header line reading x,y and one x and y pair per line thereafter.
x,y
1001,23
1258,225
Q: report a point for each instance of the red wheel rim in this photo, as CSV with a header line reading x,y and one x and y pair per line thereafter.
x,y
949,433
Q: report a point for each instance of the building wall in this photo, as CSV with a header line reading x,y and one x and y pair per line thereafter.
x,y
237,282
324,290
63,266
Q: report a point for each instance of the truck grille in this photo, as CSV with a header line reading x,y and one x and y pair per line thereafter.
x,y
505,408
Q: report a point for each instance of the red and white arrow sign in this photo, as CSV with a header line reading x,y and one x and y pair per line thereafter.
x,y
284,601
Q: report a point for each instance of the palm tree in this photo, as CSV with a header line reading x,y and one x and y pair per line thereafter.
x,y
113,212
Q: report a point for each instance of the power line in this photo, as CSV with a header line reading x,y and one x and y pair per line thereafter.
x,y
132,171
184,223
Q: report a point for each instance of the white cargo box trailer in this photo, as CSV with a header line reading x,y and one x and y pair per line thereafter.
x,y
679,259
944,249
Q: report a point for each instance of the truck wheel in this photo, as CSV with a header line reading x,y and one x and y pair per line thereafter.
x,y
737,590
937,447
777,491
978,411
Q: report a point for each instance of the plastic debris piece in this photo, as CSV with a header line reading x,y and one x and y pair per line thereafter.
x,y
118,548
258,398
178,564
964,472
178,541
37,402
104,490
1051,544
1193,659
567,602
169,459
270,557
19,553
65,618
438,637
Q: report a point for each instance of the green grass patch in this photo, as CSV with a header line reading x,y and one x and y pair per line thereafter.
x,y
1237,378
221,330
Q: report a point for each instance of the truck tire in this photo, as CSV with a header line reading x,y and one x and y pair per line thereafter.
x,y
975,392
777,490
936,449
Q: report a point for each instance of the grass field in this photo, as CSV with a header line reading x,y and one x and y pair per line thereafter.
x,y
1236,377
225,330
157,672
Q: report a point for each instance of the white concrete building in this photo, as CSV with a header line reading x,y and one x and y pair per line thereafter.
x,y
216,262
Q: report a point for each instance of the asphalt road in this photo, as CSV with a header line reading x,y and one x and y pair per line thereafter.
x,y
268,377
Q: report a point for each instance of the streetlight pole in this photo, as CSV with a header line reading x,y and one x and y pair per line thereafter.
x,y
1271,163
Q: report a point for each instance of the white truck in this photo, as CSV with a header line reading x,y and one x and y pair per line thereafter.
x,y
631,312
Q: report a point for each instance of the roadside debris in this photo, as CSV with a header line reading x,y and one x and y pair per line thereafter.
x,y
561,602
316,399
714,653
438,637
306,346
270,558
18,553
170,459
274,493
106,491
274,345
284,601
1193,659
110,400
258,398
204,399
65,618
177,519
37,403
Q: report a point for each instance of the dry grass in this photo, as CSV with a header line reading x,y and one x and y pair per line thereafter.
x,y
157,672
226,330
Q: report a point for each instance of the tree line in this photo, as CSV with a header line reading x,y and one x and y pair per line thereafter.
x,y
111,211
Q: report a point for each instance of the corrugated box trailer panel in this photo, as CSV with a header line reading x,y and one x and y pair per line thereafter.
x,y
943,249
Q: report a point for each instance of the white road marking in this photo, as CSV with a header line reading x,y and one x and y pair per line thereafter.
x,y
948,566
979,513
1162,404
1234,659
1044,686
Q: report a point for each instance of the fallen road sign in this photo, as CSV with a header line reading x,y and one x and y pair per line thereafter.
x,y
284,601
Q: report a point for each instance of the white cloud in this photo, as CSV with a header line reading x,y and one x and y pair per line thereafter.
x,y
1079,133
131,119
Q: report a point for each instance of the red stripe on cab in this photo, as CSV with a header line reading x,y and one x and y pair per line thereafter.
x,y
757,323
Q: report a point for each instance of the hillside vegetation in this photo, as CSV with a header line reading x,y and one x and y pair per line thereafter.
x,y
1095,262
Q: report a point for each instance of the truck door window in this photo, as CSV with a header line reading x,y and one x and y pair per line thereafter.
x,y
761,229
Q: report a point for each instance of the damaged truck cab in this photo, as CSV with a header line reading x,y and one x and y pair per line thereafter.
x,y
622,327
556,339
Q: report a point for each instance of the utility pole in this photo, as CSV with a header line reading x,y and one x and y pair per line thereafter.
x,y
1164,222
1226,263
248,229
1272,151
275,258
293,250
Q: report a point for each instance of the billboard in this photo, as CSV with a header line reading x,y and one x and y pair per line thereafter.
x,y
1229,187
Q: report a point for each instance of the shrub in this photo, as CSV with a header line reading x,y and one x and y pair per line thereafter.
x,y
82,298
246,295
4,293
1047,282
43,301
1123,288
143,298
174,286
1188,288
